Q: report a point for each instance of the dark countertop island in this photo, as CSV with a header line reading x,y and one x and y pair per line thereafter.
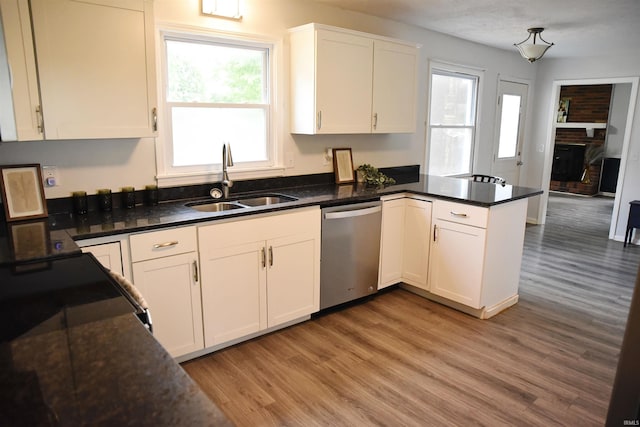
x,y
73,353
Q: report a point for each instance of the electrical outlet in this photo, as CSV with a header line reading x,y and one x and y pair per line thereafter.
x,y
50,176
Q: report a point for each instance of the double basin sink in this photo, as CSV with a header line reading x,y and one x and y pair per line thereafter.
x,y
240,203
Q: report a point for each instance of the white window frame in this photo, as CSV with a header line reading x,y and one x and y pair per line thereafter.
x,y
168,175
455,69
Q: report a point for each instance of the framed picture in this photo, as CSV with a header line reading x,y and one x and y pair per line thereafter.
x,y
563,110
22,192
343,165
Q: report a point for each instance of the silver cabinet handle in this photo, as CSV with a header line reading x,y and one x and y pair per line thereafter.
x,y
458,214
375,120
270,256
263,254
40,119
319,120
165,244
154,119
195,271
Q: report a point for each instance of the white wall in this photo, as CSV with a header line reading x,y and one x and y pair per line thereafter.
x,y
617,119
88,165
553,70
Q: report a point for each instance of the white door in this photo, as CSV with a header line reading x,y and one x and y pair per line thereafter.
x,y
108,254
171,288
233,291
507,157
417,234
456,262
392,241
394,88
291,277
344,83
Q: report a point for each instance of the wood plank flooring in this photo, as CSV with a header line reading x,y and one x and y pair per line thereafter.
x,y
400,360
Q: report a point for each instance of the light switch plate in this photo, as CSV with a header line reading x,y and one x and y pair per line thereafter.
x,y
50,176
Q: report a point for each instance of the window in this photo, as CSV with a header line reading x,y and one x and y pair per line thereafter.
x,y
216,91
509,125
452,121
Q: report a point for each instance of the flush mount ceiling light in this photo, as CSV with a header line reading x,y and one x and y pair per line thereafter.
x,y
229,9
530,50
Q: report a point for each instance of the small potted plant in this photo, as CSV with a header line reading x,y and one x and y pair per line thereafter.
x,y
372,176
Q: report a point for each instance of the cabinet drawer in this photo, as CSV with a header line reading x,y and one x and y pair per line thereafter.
x,y
461,213
157,244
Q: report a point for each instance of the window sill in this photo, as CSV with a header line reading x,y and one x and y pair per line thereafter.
x,y
174,180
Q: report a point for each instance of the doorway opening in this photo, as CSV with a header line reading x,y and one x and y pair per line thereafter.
x,y
589,129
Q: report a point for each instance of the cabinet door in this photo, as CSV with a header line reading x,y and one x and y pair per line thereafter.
x,y
293,272
95,65
456,262
415,261
344,75
19,98
392,242
394,87
108,254
233,291
171,288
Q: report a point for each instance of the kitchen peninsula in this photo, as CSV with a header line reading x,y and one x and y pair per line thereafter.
x,y
64,231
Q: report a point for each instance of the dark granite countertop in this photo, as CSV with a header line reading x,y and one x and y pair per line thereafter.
x,y
172,213
73,353
64,228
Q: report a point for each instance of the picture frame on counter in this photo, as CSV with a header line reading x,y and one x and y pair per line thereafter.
x,y
22,192
343,165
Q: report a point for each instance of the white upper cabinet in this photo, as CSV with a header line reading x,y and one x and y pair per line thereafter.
x,y
344,81
394,87
20,118
95,62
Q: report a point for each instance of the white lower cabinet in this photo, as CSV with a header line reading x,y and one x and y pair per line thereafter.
x,y
165,270
259,273
476,254
404,249
108,254
457,261
415,263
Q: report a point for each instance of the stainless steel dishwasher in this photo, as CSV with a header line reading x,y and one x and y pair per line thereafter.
x,y
350,252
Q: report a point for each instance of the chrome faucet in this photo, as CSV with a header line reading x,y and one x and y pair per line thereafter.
x,y
227,160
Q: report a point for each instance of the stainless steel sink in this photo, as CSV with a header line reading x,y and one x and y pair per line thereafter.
x,y
269,199
248,202
215,206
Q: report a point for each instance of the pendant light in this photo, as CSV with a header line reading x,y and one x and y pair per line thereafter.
x,y
532,51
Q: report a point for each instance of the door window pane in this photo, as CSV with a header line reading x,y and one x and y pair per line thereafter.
x,y
509,125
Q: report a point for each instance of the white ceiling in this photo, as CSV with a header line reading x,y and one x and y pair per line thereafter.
x,y
578,28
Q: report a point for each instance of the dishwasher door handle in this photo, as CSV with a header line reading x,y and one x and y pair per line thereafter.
x,y
352,213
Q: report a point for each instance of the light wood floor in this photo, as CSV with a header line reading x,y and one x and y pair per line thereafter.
x,y
401,360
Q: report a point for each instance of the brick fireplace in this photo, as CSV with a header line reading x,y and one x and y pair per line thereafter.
x,y
588,104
